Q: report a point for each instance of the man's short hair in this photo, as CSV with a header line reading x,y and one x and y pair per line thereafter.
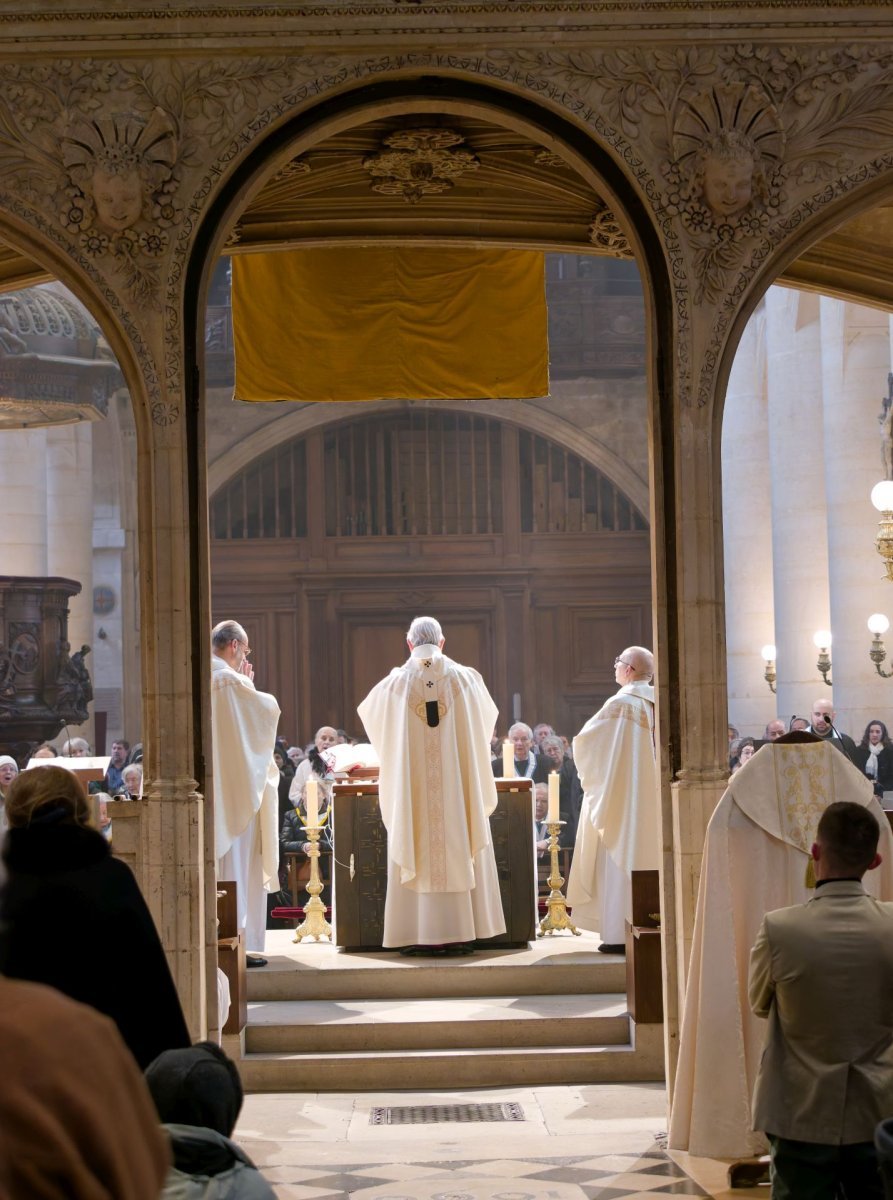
x,y
424,631
521,725
553,739
226,632
121,742
848,834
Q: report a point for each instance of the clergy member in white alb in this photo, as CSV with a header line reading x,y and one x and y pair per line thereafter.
x,y
756,859
246,782
619,827
430,723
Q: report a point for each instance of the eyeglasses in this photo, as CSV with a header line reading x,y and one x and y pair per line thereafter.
x,y
246,649
618,661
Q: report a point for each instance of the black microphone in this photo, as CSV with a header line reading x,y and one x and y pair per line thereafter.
x,y
836,733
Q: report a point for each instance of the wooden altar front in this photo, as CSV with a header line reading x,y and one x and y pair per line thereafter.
x,y
361,864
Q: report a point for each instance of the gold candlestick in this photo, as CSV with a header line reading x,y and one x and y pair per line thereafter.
x,y
314,924
556,917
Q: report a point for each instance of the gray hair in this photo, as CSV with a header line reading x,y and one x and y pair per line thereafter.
x,y
553,739
521,725
226,632
424,631
75,744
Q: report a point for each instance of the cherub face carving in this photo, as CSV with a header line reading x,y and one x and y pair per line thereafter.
x,y
118,198
727,184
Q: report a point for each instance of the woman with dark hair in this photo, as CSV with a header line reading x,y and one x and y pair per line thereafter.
x,y
63,884
874,755
744,752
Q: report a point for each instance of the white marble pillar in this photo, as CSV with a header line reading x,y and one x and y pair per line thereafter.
x,y
855,363
23,502
747,531
69,522
799,529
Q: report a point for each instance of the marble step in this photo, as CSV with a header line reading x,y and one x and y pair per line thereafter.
x,y
472,1023
375,1070
388,976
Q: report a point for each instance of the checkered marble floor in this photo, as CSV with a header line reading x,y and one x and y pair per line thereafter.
x,y
599,1142
601,1177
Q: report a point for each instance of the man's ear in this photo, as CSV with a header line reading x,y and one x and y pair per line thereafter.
x,y
815,851
875,862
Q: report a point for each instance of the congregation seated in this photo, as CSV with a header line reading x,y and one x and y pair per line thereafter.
x,y
61,877
198,1095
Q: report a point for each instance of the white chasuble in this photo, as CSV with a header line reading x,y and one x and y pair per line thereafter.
x,y
619,827
246,791
756,859
430,723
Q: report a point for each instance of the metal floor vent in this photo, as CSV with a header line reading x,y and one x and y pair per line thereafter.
x,y
437,1114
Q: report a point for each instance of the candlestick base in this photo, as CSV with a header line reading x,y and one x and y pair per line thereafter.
x,y
314,924
556,917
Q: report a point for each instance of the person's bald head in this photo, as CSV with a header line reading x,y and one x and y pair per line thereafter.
x,y
635,663
774,730
822,715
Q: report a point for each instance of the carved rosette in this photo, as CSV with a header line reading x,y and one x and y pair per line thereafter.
x,y
419,162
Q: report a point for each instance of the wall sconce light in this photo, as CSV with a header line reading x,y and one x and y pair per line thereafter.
x,y
768,653
878,624
821,639
882,499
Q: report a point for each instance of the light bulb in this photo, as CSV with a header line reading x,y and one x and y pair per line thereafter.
x,y
882,496
768,652
878,623
822,639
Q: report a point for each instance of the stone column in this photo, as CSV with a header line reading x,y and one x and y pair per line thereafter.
x,y
747,532
69,506
23,501
855,363
799,529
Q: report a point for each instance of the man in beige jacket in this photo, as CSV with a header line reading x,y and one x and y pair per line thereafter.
x,y
822,973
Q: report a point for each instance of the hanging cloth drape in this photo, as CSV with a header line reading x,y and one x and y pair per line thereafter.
x,y
389,323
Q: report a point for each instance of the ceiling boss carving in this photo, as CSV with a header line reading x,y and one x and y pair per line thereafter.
x,y
606,233
419,162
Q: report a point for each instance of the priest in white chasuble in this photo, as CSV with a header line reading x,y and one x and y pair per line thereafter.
x,y
756,859
430,722
619,827
246,781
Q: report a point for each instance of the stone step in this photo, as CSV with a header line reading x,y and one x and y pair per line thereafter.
x,y
388,976
375,1070
486,1023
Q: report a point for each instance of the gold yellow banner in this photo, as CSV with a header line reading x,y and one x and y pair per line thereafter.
x,y
390,323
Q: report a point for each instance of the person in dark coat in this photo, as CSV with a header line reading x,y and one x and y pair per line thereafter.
x,y
874,756
72,916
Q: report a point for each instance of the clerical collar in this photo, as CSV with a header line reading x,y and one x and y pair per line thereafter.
x,y
839,879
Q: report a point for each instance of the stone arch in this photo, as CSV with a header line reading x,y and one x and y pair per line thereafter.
x,y
547,425
811,221
102,304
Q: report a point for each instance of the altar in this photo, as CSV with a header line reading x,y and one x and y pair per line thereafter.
x,y
360,864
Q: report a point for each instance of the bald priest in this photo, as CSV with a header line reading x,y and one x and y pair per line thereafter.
x,y
246,782
430,722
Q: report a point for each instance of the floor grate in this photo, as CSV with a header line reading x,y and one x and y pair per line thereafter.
x,y
437,1114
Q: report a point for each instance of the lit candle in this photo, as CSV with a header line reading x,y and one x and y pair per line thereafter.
x,y
508,760
553,813
312,795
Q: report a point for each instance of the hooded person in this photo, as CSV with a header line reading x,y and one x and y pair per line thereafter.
x,y
756,859
9,768
198,1096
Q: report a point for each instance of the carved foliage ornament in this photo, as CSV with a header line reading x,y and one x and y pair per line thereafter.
x,y
419,162
608,236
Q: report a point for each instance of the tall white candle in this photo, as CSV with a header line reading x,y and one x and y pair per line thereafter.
x,y
553,813
508,760
312,794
